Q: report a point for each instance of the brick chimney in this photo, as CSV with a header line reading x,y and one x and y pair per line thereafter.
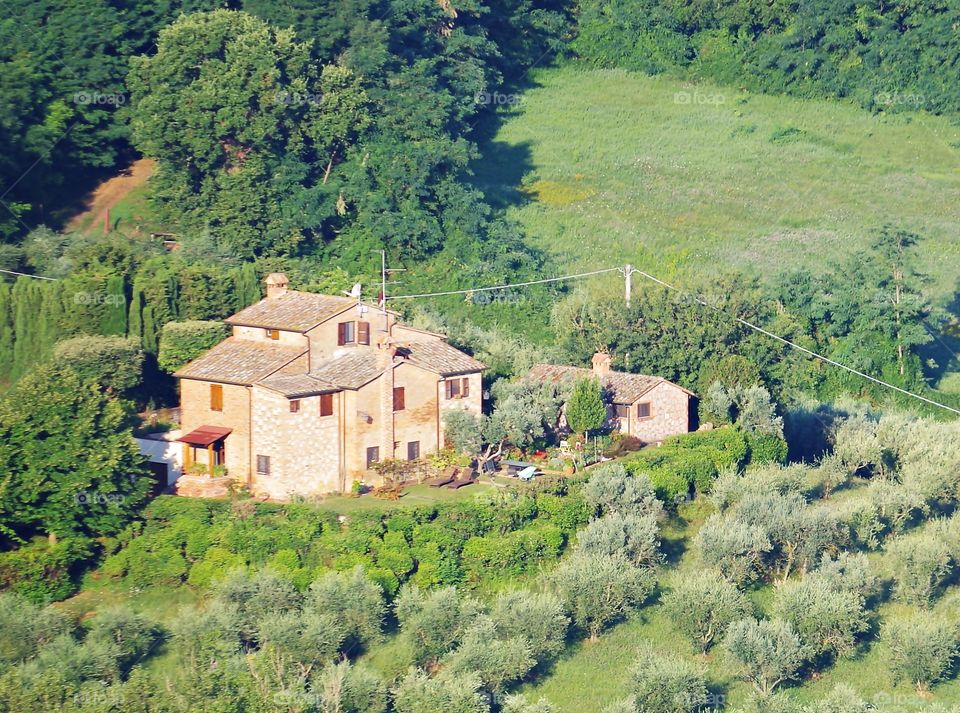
x,y
601,364
276,283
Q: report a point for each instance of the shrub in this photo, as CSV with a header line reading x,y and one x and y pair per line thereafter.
x,y
111,361
703,604
666,684
767,448
25,628
671,488
182,342
129,634
41,572
216,564
921,648
768,652
596,591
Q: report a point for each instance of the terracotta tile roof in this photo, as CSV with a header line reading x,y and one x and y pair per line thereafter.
x,y
240,361
439,357
294,311
625,388
349,369
295,386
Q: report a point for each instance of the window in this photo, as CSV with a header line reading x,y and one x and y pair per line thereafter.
x,y
413,450
643,410
373,456
346,333
263,465
398,398
294,405
216,397
273,334
363,332
458,388
326,404
622,411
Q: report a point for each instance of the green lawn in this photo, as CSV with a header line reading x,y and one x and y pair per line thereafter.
x,y
601,167
412,497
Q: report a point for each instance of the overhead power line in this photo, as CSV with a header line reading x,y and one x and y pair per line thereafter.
x,y
24,274
796,346
628,270
505,287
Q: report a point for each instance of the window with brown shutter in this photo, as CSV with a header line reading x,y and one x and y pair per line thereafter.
x,y
326,404
363,332
294,405
453,388
346,333
398,398
216,397
622,411
273,334
643,410
465,387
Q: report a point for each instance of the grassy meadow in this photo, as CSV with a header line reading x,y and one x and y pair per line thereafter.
x,y
601,167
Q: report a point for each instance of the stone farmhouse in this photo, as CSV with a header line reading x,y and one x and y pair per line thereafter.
x,y
310,391
646,407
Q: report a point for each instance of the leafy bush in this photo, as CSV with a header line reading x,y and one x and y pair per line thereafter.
x,y
182,342
767,448
41,572
216,564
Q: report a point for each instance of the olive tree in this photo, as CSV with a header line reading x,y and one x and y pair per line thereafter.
x,y
732,546
611,489
497,659
538,617
597,591
921,564
636,537
767,652
666,684
921,648
828,620
419,693
354,599
703,604
434,622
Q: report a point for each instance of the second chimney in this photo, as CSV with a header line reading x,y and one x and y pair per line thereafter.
x,y
601,364
276,283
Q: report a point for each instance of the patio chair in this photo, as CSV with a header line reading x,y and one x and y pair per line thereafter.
x,y
466,478
447,476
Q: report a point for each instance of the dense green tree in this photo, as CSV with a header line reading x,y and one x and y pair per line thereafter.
x,y
248,287
251,164
114,319
6,330
68,460
585,410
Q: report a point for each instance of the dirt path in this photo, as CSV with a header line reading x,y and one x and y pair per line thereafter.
x,y
110,192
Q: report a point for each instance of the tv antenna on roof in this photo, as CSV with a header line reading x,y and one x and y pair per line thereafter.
x,y
384,271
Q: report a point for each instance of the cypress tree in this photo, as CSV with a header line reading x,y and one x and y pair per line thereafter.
x,y
247,287
135,319
113,318
49,326
6,331
150,341
26,307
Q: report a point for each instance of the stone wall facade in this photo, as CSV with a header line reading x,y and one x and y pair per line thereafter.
x,y
472,403
195,412
303,447
669,413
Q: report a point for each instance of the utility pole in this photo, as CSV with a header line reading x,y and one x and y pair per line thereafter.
x,y
627,282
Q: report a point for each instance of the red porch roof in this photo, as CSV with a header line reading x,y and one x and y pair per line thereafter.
x,y
205,435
